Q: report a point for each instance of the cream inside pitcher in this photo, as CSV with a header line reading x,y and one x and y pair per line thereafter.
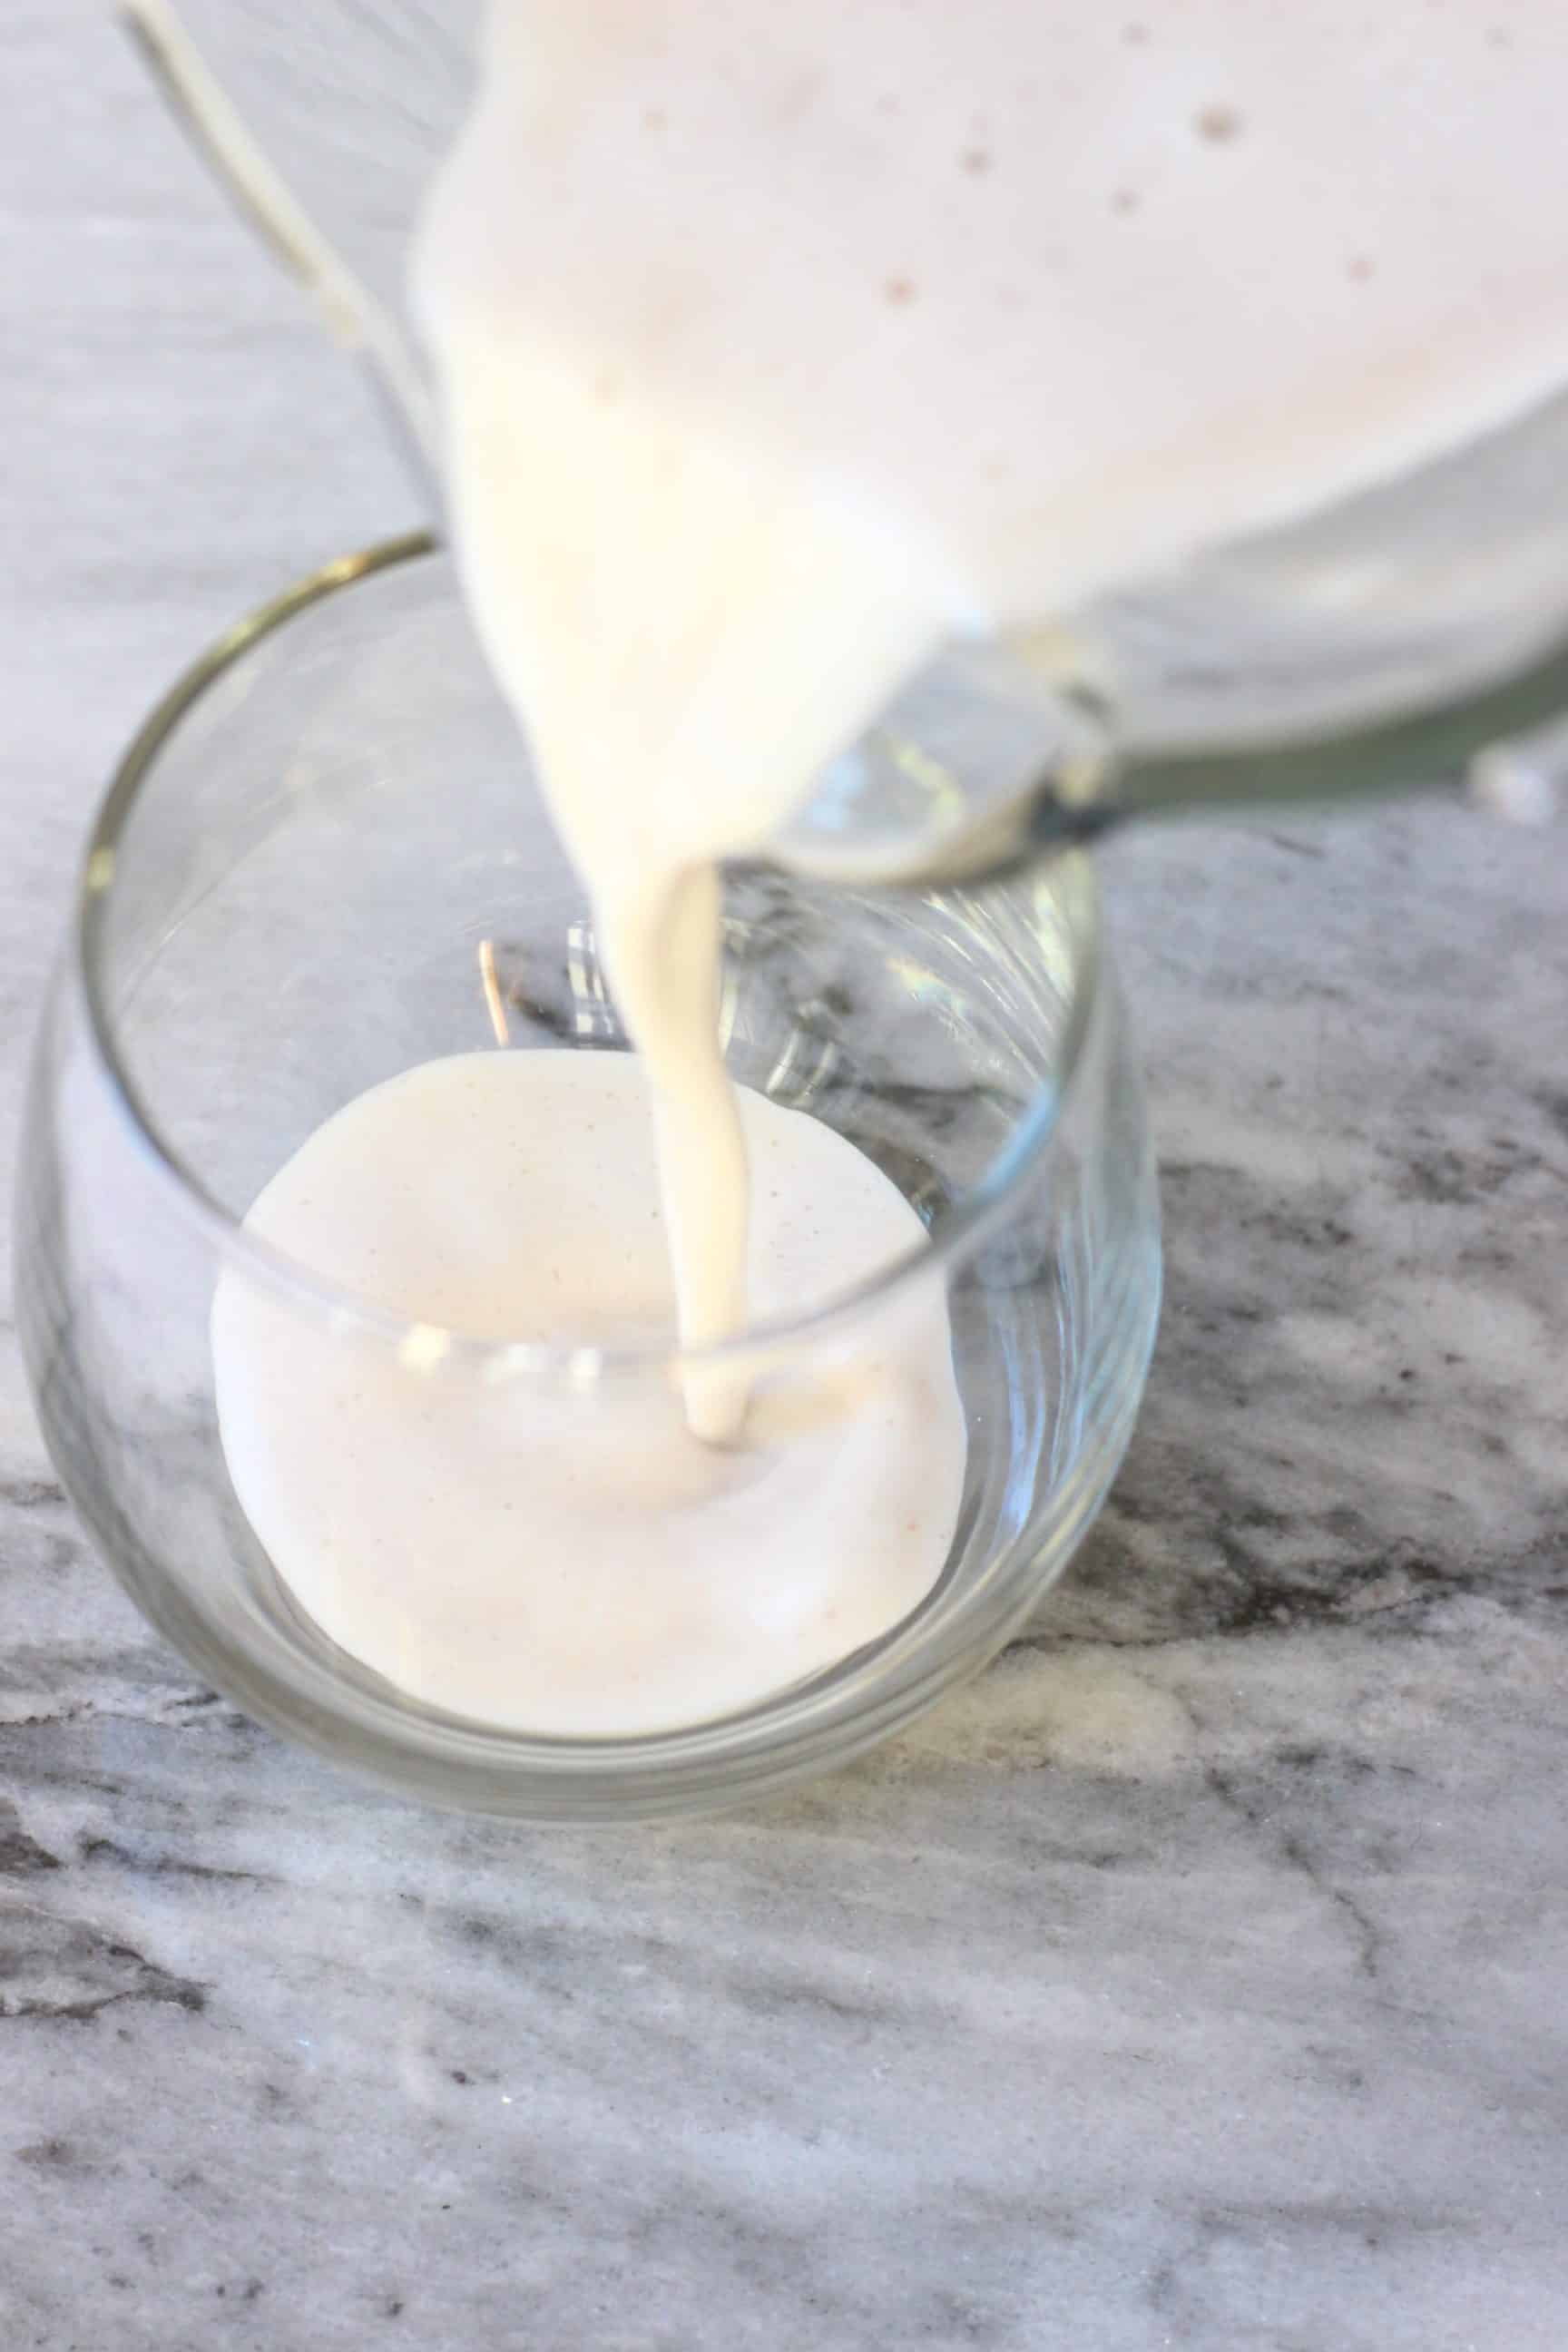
x,y
1364,621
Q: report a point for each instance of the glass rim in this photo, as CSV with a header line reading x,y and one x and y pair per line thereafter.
x,y
436,1347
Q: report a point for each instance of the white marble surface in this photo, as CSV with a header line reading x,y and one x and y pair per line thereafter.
x,y
1197,1979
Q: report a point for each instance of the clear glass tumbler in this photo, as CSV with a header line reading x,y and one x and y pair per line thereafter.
x,y
324,860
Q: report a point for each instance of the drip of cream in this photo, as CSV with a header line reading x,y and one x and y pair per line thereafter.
x,y
660,742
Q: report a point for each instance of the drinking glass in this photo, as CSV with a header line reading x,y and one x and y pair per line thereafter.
x,y
324,860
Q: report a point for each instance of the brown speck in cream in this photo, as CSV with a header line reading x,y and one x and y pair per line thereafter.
x,y
899,291
975,161
1125,200
1218,125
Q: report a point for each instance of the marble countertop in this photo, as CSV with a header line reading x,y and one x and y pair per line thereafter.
x,y
1196,1978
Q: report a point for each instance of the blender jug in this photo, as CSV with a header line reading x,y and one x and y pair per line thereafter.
x,y
1413,636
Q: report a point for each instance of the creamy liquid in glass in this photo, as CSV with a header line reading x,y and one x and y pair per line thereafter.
x,y
578,1565
776,345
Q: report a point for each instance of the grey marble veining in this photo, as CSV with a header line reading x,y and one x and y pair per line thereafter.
x,y
1196,1978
